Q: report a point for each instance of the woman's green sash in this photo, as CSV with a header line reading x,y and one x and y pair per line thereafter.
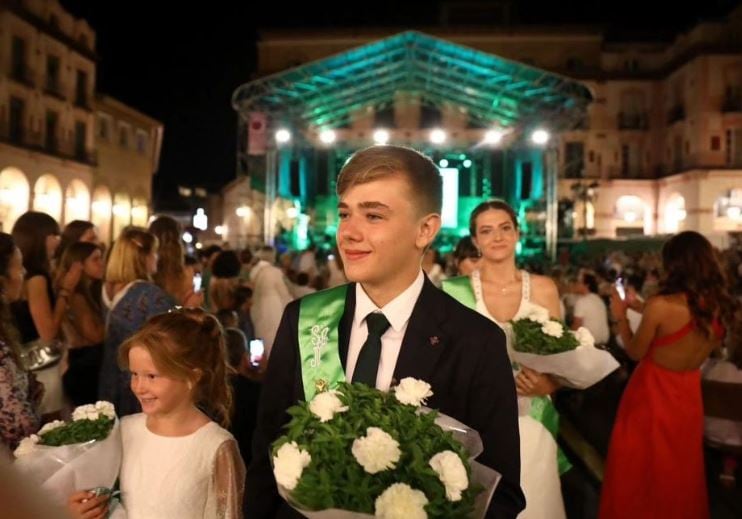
x,y
319,316
542,408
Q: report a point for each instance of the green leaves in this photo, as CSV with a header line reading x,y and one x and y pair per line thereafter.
x,y
78,431
529,338
334,479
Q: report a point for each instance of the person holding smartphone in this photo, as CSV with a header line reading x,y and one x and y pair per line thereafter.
x,y
590,310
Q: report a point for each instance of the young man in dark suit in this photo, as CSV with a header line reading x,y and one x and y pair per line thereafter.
x,y
389,209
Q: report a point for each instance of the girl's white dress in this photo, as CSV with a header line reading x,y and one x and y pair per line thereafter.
x,y
197,476
539,472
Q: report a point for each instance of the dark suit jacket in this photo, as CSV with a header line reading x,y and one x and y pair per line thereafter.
x,y
471,379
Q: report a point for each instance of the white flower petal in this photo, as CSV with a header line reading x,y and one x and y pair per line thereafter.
x,y
411,391
553,328
326,405
50,426
451,472
400,501
376,451
26,446
289,463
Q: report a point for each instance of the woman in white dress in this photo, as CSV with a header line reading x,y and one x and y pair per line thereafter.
x,y
270,296
503,293
176,462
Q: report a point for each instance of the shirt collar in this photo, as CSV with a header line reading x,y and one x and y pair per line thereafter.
x,y
397,311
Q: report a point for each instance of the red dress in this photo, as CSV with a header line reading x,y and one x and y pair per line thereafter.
x,y
655,464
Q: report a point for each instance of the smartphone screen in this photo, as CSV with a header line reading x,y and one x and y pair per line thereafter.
x,y
196,282
257,349
620,288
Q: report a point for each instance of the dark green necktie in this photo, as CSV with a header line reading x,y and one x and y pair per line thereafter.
x,y
368,359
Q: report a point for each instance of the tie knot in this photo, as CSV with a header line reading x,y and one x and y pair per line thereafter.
x,y
377,324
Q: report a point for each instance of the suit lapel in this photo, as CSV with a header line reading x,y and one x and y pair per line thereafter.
x,y
424,339
346,323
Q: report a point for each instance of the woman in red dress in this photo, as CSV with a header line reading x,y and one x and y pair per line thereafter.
x,y
655,465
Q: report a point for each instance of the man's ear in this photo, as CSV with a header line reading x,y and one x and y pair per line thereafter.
x,y
427,230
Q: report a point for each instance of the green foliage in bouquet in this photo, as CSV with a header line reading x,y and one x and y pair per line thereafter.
x,y
78,431
334,479
531,338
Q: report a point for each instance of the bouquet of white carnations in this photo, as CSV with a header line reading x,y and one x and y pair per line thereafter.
x,y
358,452
544,344
84,454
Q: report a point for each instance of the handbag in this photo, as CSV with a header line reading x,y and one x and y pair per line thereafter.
x,y
39,354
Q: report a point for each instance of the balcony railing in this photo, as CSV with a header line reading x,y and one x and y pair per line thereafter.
x,y
632,121
53,88
676,113
22,74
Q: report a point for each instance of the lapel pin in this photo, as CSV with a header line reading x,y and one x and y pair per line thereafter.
x,y
434,340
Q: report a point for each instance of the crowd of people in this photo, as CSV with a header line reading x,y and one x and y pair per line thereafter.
x,y
184,346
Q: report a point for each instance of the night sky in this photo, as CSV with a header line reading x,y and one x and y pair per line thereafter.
x,y
182,65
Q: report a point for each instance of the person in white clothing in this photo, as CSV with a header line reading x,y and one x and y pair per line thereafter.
x,y
177,462
503,293
270,296
590,310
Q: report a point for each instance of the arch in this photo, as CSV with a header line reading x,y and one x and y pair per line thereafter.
x,y
632,214
121,213
139,211
101,212
675,213
14,195
76,201
47,196
728,210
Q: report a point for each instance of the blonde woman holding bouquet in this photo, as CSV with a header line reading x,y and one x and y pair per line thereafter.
x,y
501,292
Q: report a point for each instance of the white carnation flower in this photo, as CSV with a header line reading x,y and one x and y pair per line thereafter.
x,y
400,501
411,391
105,408
289,463
376,451
539,314
553,328
85,412
451,472
325,405
27,446
584,337
50,426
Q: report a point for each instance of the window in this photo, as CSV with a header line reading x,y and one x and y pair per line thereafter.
x,y
81,89
50,135
18,58
526,170
141,142
54,21
574,159
17,111
52,74
124,136
104,127
574,64
734,147
80,137
715,143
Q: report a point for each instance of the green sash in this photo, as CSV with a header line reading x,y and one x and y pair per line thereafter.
x,y
319,316
542,408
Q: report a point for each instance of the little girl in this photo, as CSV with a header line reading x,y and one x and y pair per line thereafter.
x,y
177,462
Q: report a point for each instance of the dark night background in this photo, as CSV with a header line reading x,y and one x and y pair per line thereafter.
x,y
180,63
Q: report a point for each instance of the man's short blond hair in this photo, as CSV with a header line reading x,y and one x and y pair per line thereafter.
x,y
379,162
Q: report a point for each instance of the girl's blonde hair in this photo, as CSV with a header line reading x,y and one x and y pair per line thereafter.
x,y
128,259
188,344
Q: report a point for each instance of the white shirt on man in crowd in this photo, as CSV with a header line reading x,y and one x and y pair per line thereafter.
x,y
593,315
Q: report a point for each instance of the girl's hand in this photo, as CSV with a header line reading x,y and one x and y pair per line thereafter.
x,y
71,277
618,306
532,383
84,505
194,300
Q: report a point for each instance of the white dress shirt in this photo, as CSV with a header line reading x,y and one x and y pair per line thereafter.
x,y
397,312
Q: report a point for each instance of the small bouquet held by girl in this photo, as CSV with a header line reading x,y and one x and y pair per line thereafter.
x,y
356,452
546,345
85,453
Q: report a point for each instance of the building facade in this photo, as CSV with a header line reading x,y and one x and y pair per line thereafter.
x,y
659,151
54,155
